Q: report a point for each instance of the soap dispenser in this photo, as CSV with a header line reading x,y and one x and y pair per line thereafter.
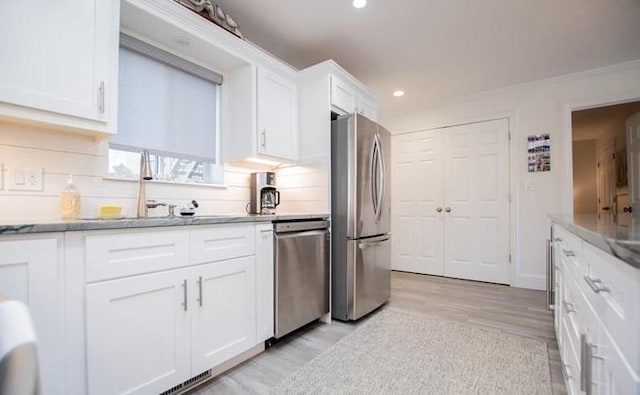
x,y
70,204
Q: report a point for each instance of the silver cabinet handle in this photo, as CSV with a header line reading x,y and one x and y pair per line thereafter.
x,y
557,240
588,368
439,209
583,361
595,285
263,138
101,97
569,253
200,291
569,307
184,302
566,370
448,209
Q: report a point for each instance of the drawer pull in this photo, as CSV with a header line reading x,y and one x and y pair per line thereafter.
x,y
569,307
568,253
596,285
557,240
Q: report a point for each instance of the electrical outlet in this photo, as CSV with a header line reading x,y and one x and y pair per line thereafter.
x,y
25,179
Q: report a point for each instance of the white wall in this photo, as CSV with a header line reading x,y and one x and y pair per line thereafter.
x,y
533,108
61,153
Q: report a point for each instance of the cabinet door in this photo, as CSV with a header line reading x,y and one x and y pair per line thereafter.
x,y
367,107
343,95
224,311
29,273
264,283
277,115
56,55
138,334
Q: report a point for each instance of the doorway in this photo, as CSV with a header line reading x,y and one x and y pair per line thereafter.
x,y
601,167
451,209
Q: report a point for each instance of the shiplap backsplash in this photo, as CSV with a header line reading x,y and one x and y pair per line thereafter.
x,y
303,188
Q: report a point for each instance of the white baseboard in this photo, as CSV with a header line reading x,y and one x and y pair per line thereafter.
x,y
530,282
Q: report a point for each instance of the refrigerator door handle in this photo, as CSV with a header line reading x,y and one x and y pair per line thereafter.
x,y
373,176
383,178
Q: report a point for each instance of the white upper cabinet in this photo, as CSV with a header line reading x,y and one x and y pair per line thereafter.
x,y
322,89
343,95
262,114
276,115
59,58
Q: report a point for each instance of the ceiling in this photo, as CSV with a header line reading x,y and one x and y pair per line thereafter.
x,y
590,124
437,49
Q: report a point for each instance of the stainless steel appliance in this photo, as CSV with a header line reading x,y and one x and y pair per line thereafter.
x,y
360,216
302,273
264,195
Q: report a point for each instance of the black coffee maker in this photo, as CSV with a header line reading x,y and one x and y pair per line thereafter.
x,y
264,195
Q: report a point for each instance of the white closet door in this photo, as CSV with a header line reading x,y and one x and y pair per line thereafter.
x,y
417,195
476,218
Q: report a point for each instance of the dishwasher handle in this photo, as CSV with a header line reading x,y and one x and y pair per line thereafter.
x,y
306,233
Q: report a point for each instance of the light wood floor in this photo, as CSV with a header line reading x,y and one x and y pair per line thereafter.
x,y
511,310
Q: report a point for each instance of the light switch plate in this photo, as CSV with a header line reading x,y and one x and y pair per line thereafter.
x,y
25,179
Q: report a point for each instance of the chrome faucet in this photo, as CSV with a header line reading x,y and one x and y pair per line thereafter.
x,y
145,175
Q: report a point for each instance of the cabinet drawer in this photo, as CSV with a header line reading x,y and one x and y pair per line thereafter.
x,y
111,256
570,363
613,289
211,244
569,248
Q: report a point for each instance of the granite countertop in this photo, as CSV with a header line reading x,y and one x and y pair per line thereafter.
x,y
622,242
56,225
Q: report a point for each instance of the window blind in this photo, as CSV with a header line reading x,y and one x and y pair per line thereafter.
x,y
165,104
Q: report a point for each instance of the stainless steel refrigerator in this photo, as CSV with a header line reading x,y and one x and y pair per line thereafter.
x,y
360,216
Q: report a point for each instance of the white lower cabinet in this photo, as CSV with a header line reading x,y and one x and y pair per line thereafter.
x,y
595,318
153,330
29,272
223,312
265,272
138,334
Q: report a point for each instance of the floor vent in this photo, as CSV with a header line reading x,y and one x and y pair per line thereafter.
x,y
195,380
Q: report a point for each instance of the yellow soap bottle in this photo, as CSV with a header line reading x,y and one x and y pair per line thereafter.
x,y
70,203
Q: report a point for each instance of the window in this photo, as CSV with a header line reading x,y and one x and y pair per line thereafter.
x,y
168,106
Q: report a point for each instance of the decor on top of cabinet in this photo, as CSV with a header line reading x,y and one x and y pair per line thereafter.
x,y
214,13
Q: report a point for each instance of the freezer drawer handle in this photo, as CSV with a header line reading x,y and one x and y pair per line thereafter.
x,y
362,246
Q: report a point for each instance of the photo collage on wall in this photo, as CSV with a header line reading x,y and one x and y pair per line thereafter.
x,y
539,153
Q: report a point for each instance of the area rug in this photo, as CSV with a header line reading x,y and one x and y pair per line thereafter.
x,y
402,353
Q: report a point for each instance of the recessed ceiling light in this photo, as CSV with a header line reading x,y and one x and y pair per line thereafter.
x,y
359,3
398,93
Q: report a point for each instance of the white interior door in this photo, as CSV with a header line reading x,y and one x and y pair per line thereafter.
x,y
476,199
417,196
606,184
633,162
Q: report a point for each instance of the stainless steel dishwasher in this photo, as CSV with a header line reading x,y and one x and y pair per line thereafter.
x,y
301,273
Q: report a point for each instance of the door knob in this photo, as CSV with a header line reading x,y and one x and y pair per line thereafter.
x,y
439,209
448,209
